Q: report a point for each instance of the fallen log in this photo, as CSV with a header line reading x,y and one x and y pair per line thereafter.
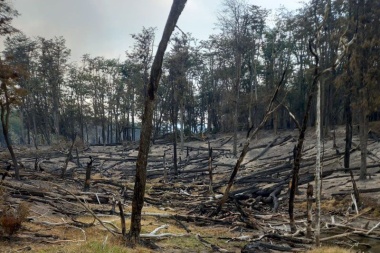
x,y
270,144
264,247
360,191
356,168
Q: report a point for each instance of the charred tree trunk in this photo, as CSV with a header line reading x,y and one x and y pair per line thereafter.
x,y
133,133
210,168
174,116
165,169
175,155
236,101
363,124
309,199
122,219
5,112
298,151
348,114
317,73
146,128
88,175
69,155
182,119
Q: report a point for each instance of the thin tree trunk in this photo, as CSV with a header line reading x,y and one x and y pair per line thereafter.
x,y
174,118
301,137
348,113
35,140
236,101
210,168
165,168
363,143
122,219
88,175
175,155
5,111
22,130
309,199
146,127
182,112
96,133
298,152
318,168
103,126
133,133
355,188
28,130
56,121
64,168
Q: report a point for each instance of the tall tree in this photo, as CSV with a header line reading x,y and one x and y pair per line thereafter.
x,y
234,21
11,94
363,62
146,128
21,52
178,65
53,63
141,56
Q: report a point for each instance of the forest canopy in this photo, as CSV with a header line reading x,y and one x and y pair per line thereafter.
x,y
102,99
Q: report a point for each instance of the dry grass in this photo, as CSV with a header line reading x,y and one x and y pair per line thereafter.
x,y
330,250
371,202
11,219
331,205
99,240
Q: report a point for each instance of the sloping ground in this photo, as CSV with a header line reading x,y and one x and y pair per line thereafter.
x,y
255,215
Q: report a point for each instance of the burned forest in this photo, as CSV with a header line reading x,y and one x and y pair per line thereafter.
x,y
265,137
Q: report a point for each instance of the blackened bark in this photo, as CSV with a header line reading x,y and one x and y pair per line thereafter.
x,y
5,112
69,155
175,155
355,188
363,124
348,113
122,219
146,127
88,175
210,168
174,116
301,138
309,198
237,88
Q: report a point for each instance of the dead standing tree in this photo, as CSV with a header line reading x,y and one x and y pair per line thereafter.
x,y
68,157
88,175
146,127
313,47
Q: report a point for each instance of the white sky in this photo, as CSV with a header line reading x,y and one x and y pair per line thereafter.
x,y
103,27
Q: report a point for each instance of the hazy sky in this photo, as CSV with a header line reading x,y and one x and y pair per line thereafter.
x,y
104,27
